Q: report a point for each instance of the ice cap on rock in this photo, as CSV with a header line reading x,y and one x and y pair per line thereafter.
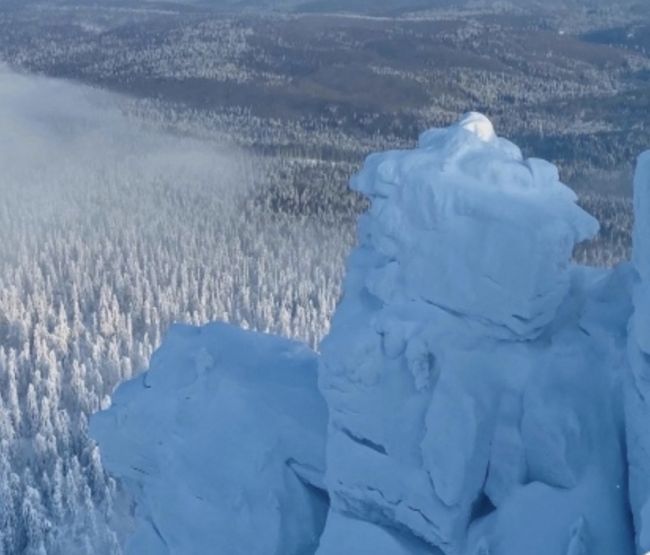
x,y
478,124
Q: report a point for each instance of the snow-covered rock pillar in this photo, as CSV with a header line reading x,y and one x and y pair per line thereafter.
x,y
638,386
462,264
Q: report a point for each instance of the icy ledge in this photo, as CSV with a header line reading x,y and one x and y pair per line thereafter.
x,y
478,393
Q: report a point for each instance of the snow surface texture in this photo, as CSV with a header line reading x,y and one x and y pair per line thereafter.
x,y
479,385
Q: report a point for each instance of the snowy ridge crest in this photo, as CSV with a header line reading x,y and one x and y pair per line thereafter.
x,y
478,394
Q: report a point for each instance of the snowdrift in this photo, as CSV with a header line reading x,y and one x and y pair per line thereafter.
x,y
478,393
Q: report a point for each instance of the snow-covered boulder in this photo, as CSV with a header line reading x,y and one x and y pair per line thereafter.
x,y
471,371
221,446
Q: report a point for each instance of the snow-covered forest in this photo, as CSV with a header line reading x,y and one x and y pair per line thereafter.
x,y
110,233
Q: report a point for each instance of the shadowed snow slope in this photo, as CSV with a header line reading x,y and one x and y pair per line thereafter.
x,y
479,385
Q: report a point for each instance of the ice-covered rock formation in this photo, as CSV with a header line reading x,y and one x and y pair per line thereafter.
x,y
471,370
638,385
221,444
485,396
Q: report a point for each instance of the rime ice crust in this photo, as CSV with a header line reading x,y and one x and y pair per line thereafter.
x,y
216,443
456,369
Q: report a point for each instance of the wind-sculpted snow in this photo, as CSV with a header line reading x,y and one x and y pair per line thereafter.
x,y
484,394
221,442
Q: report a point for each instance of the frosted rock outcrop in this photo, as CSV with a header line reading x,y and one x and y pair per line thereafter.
x,y
463,222
470,397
